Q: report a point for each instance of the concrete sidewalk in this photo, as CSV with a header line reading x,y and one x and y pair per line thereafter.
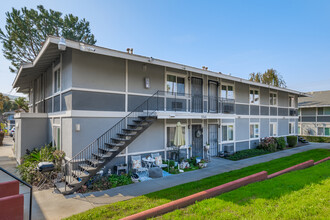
x,y
49,205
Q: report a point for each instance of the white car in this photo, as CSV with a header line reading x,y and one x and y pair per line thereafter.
x,y
12,132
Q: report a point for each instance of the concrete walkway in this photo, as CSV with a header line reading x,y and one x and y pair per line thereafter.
x,y
49,205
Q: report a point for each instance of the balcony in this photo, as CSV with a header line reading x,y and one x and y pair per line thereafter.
x,y
182,102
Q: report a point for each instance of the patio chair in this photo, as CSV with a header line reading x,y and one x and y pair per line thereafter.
x,y
137,165
158,160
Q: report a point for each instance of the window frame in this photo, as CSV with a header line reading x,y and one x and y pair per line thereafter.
x,y
176,75
276,130
292,127
57,87
272,104
227,140
254,90
293,105
254,136
186,135
227,84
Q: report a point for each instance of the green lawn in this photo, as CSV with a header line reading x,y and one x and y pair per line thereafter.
x,y
121,209
303,194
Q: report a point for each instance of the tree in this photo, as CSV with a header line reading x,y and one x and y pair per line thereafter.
x,y
22,104
269,77
6,105
27,29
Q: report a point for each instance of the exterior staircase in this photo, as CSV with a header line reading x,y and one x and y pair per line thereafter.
x,y
88,162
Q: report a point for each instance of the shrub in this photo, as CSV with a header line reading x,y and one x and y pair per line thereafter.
x,y
292,141
281,144
27,168
268,144
247,153
317,139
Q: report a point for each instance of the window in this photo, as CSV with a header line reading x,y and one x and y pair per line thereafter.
x,y
254,97
227,133
272,98
323,111
291,128
171,133
175,84
254,130
57,80
291,102
327,131
320,111
227,92
320,131
272,129
299,129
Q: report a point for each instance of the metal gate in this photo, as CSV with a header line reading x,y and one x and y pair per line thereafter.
x,y
197,94
213,139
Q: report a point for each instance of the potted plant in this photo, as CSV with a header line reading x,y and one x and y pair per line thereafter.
x,y
202,164
207,146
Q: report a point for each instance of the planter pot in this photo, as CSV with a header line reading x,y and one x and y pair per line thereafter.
x,y
207,147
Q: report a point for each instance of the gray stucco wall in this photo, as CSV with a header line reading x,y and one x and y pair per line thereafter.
x,y
242,145
66,70
152,139
90,129
241,93
242,129
283,127
283,99
94,71
264,127
32,133
137,72
66,132
308,111
48,82
97,101
264,96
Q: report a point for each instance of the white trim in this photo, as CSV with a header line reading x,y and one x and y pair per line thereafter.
x,y
254,89
275,93
228,124
294,129
227,84
276,124
254,123
184,76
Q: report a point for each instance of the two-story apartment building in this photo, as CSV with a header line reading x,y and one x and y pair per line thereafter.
x,y
81,96
314,114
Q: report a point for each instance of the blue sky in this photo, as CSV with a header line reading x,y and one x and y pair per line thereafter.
x,y
236,37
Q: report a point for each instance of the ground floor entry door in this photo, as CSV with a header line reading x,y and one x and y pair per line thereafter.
x,y
213,139
197,141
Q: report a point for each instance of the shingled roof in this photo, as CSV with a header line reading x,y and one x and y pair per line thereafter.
x,y
317,99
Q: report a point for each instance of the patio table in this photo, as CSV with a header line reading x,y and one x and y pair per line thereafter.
x,y
148,161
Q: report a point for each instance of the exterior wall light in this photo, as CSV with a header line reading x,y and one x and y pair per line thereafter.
x,y
77,127
62,44
147,82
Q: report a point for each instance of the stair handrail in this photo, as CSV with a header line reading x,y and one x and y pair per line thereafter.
x,y
26,184
113,127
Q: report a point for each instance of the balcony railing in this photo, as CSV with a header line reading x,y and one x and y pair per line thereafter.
x,y
183,102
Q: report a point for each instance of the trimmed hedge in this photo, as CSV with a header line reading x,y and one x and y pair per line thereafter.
x,y
316,139
292,141
281,143
239,155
